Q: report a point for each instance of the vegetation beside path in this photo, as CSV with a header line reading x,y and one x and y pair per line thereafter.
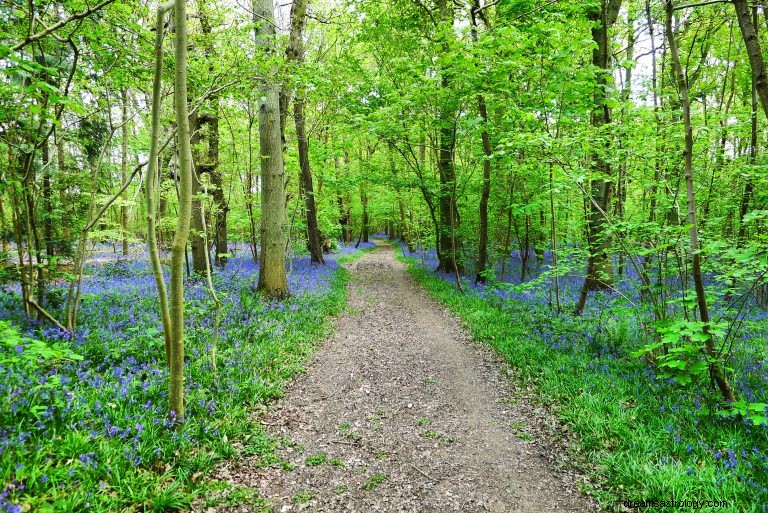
x,y
90,432
637,437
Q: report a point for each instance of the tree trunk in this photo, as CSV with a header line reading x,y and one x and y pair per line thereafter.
x,y
48,203
250,191
197,236
124,170
272,276
752,43
749,186
345,216
211,163
151,186
295,54
176,374
446,122
599,270
364,224
482,253
482,246
698,280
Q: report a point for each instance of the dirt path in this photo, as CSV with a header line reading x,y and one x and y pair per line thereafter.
x,y
400,412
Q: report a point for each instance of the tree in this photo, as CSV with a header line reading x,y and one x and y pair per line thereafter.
x,y
272,277
698,278
599,269
295,54
176,366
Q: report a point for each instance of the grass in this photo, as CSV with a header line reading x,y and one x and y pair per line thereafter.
x,y
637,437
315,460
374,481
92,433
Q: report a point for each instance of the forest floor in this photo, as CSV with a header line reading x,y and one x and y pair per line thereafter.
x,y
400,411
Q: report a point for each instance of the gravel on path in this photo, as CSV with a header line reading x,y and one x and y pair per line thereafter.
x,y
400,411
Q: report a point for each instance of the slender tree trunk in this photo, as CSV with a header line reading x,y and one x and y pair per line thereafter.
x,y
210,164
151,186
507,243
599,269
272,275
4,232
176,385
48,203
698,280
295,54
553,240
446,122
749,186
364,224
482,252
124,170
251,186
65,233
197,237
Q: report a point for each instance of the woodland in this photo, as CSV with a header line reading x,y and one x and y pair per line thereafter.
x,y
583,183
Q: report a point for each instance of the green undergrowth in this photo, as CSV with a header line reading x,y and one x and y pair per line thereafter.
x,y
103,442
636,441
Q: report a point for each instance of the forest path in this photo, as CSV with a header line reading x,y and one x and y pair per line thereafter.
x,y
399,411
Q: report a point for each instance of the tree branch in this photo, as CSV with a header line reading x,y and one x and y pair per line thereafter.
x,y
62,23
700,4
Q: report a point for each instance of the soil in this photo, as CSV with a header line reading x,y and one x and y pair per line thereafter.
x,y
400,411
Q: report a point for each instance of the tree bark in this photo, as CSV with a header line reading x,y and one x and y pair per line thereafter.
x,y
749,185
151,186
210,164
272,276
599,269
482,246
752,43
124,169
176,374
197,236
295,54
449,214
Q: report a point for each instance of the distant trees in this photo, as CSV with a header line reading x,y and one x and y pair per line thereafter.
x,y
487,133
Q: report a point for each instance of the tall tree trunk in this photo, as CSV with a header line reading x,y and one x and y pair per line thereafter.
x,y
221,206
65,233
4,232
48,203
364,221
197,236
749,186
345,217
211,163
599,270
151,186
507,242
482,246
124,170
405,227
272,276
295,54
250,191
698,280
752,42
176,374
449,214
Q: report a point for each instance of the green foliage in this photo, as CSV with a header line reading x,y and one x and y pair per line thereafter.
x,y
632,437
680,352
